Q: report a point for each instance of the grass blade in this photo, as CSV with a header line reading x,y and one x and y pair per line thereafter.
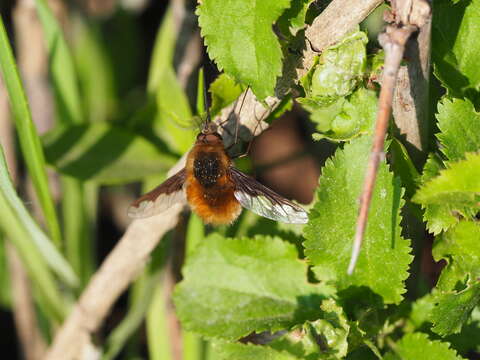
x,y
79,212
77,208
5,294
30,241
163,51
157,331
27,134
34,235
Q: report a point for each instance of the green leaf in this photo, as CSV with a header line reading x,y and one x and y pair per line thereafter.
x,y
384,259
432,167
224,91
167,115
421,309
418,346
240,38
452,310
293,19
438,217
104,153
460,246
339,70
163,51
346,118
455,33
201,90
327,335
29,141
403,166
232,287
458,186
238,351
468,339
5,294
173,122
363,353
459,124
320,339
333,328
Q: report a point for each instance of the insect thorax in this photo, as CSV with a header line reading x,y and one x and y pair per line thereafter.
x,y
207,168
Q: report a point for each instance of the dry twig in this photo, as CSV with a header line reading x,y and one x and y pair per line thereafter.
x,y
141,237
409,16
410,100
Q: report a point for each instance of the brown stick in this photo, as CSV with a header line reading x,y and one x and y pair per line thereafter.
x,y
410,100
32,343
393,42
128,257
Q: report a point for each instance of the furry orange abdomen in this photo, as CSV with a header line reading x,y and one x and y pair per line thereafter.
x,y
209,189
216,205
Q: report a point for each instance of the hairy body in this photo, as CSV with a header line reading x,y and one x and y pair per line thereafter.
x,y
215,189
209,188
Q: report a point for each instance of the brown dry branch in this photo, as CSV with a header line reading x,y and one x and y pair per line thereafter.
x,y
143,235
410,100
409,16
32,344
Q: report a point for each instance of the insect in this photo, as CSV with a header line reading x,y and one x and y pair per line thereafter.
x,y
215,190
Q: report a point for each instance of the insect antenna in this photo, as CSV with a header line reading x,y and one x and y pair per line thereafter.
x,y
232,112
237,120
237,125
249,146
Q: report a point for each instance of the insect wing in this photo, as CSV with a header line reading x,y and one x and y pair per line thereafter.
x,y
170,192
265,202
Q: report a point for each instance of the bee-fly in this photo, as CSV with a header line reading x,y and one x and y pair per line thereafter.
x,y
215,189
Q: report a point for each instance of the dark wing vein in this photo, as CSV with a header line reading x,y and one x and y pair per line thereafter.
x,y
170,191
261,196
